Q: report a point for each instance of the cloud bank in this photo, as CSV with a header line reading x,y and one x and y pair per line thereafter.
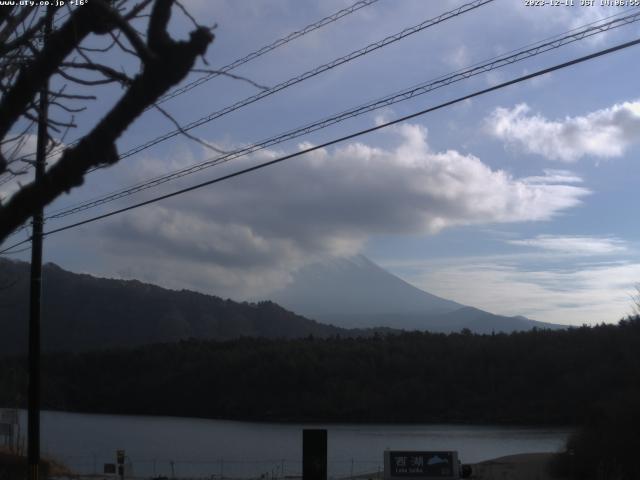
x,y
586,294
575,245
244,237
605,133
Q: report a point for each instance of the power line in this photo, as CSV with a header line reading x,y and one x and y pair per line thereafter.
x,y
310,74
514,81
268,48
295,80
15,252
236,63
421,89
304,76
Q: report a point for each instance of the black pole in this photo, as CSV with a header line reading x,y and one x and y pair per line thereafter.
x,y
314,454
33,427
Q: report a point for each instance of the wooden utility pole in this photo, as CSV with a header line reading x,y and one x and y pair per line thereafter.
x,y
314,454
33,427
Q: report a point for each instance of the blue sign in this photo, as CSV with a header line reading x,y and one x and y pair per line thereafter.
x,y
422,464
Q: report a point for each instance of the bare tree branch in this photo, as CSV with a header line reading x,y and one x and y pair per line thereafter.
x,y
168,62
23,38
116,39
33,76
136,42
12,23
72,96
187,14
204,143
82,81
103,69
231,75
136,9
66,108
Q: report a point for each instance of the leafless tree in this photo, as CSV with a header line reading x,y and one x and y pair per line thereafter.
x,y
76,52
635,298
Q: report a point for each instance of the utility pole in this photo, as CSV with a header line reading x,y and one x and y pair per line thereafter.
x,y
33,427
314,454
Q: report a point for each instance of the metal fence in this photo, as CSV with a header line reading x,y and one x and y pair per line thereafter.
x,y
219,469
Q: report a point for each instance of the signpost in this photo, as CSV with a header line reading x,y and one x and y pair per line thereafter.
x,y
436,465
9,428
120,461
314,454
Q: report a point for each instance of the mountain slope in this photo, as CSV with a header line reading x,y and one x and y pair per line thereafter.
x,y
356,286
81,312
357,293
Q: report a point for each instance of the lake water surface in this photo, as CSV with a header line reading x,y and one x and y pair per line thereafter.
x,y
188,447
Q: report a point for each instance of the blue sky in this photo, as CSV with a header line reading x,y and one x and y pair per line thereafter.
x,y
520,202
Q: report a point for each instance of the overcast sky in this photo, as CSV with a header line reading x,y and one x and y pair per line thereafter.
x,y
520,202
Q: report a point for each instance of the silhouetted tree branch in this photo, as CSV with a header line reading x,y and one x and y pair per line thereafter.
x,y
635,298
27,65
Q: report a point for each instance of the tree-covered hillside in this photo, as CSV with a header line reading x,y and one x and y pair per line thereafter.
x,y
537,377
81,312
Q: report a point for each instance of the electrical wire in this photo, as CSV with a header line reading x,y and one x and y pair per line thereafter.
x,y
308,74
292,81
267,48
359,133
236,63
421,89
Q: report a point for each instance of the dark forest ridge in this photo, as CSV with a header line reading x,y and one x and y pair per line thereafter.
x,y
536,377
82,312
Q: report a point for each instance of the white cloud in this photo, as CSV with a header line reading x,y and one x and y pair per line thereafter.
x,y
587,294
23,147
578,16
248,234
557,19
553,176
604,133
575,245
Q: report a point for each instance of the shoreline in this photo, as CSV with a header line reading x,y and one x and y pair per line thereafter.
x,y
520,466
294,421
523,466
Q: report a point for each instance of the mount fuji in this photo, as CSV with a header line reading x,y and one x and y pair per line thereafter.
x,y
357,293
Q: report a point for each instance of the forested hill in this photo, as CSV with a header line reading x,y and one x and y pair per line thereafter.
x,y
81,312
537,377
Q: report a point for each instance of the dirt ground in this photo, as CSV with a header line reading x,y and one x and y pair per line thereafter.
x,y
529,466
12,463
526,466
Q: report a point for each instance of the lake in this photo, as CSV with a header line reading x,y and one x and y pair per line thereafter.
x,y
189,447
